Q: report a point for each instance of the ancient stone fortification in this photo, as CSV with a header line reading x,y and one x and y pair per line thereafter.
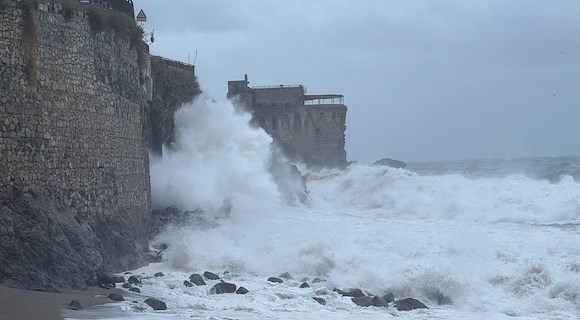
x,y
309,128
72,120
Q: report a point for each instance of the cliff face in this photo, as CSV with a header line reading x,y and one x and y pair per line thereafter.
x,y
72,121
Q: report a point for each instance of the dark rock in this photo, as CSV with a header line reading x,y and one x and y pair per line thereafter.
x,y
223,287
317,280
286,276
105,280
75,305
107,286
211,276
197,279
356,293
409,304
159,274
391,163
389,297
443,300
156,304
118,279
289,180
363,301
304,285
187,284
276,280
321,292
378,301
320,300
45,248
242,290
128,272
135,289
116,297
126,285
134,280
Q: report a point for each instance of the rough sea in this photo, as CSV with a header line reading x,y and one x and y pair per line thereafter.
x,y
473,239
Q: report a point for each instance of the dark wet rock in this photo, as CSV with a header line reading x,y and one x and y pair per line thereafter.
x,y
356,293
159,274
135,289
118,279
223,287
289,180
75,305
286,276
318,280
187,284
43,247
211,276
128,272
134,280
389,297
276,280
116,297
363,301
378,301
391,163
409,304
156,304
103,280
126,285
304,285
242,290
197,279
320,300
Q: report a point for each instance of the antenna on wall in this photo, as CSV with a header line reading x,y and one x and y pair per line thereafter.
x,y
195,57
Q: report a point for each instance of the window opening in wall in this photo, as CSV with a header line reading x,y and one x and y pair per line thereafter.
x,y
274,123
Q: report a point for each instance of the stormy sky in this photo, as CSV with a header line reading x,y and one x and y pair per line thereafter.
x,y
423,80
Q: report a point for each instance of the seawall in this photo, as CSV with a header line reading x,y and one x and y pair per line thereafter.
x,y
72,110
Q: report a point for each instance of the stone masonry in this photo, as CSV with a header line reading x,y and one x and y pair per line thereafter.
x,y
308,128
72,118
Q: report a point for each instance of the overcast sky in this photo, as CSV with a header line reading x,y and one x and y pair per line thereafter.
x,y
423,80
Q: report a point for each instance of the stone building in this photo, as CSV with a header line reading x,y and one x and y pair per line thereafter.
x,y
308,128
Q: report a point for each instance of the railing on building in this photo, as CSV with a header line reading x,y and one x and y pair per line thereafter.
x,y
281,86
178,64
323,99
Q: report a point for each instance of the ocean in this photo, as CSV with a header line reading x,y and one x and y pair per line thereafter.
x,y
473,239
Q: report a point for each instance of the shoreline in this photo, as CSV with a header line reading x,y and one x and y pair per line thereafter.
x,y
21,304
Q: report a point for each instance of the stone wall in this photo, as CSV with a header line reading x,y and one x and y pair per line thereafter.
x,y
313,133
72,120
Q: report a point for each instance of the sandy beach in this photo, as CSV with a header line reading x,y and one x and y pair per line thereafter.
x,y
18,304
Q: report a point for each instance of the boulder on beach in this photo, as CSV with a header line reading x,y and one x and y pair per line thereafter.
x,y
126,285
211,276
134,280
156,304
379,301
275,280
197,279
389,297
159,274
320,300
363,301
116,297
285,275
75,305
409,304
356,293
135,289
304,285
223,287
242,290
187,284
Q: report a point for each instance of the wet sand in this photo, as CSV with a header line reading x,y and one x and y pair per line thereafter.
x,y
18,304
